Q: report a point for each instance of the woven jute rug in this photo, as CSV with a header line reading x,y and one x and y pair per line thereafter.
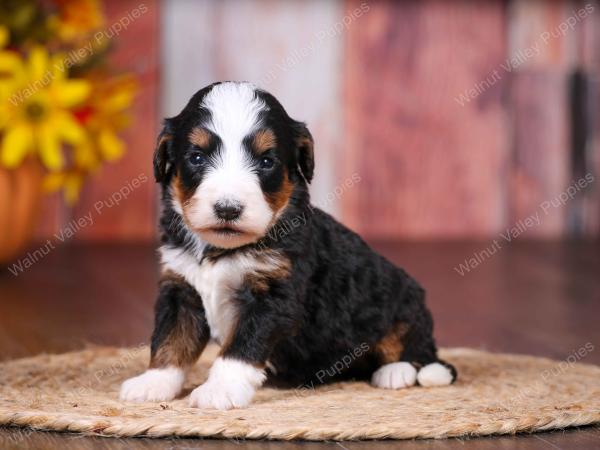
x,y
495,394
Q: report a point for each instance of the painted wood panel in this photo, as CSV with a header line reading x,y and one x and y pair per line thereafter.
x,y
546,55
541,164
552,115
425,124
590,44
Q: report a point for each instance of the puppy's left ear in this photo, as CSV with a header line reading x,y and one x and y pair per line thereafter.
x,y
304,150
163,154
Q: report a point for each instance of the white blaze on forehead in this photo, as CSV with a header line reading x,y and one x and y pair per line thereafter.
x,y
235,111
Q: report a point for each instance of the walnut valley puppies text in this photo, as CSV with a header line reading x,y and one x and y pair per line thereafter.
x,y
120,25
285,227
535,219
336,369
74,226
79,55
118,197
521,56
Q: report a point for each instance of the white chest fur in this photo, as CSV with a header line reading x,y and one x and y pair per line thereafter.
x,y
217,281
214,281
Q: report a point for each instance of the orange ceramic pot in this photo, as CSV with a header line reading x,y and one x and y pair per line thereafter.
x,y
20,197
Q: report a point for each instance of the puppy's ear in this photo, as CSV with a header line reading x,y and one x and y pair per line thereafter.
x,y
163,154
304,151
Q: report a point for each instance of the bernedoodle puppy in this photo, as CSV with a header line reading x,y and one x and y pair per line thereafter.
x,y
281,286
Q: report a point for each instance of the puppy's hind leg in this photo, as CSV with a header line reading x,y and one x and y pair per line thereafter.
x,y
180,334
420,350
408,356
438,373
393,373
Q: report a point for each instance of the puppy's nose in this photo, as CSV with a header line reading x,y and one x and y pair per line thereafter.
x,y
228,210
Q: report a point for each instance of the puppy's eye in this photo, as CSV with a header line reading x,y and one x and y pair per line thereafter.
x,y
266,163
197,159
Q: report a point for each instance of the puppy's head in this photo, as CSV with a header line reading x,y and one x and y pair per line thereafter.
x,y
230,162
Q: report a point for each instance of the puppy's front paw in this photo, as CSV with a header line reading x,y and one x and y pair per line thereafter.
x,y
231,384
221,395
396,375
154,385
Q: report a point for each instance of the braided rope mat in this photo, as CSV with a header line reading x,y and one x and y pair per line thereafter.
x,y
495,394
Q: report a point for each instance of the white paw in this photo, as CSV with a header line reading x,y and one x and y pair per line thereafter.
x,y
230,384
396,375
435,374
219,395
154,385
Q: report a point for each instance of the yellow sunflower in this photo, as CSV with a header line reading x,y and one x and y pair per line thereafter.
x,y
70,181
37,116
103,116
77,18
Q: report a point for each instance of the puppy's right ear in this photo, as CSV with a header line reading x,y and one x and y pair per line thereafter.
x,y
163,154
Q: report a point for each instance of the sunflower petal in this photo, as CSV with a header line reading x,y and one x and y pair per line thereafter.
x,y
120,99
10,63
38,64
111,146
85,157
53,181
49,147
17,141
69,129
72,188
71,93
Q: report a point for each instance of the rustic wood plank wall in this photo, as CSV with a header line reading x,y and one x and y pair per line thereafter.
x,y
590,63
432,152
436,168
545,160
539,110
457,118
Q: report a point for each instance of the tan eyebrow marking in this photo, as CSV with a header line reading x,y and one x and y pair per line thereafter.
x,y
199,137
264,140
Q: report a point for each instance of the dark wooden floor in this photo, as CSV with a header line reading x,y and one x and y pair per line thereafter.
x,y
540,298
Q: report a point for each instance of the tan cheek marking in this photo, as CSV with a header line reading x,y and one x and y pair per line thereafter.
x,y
181,193
278,200
199,137
264,140
183,197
